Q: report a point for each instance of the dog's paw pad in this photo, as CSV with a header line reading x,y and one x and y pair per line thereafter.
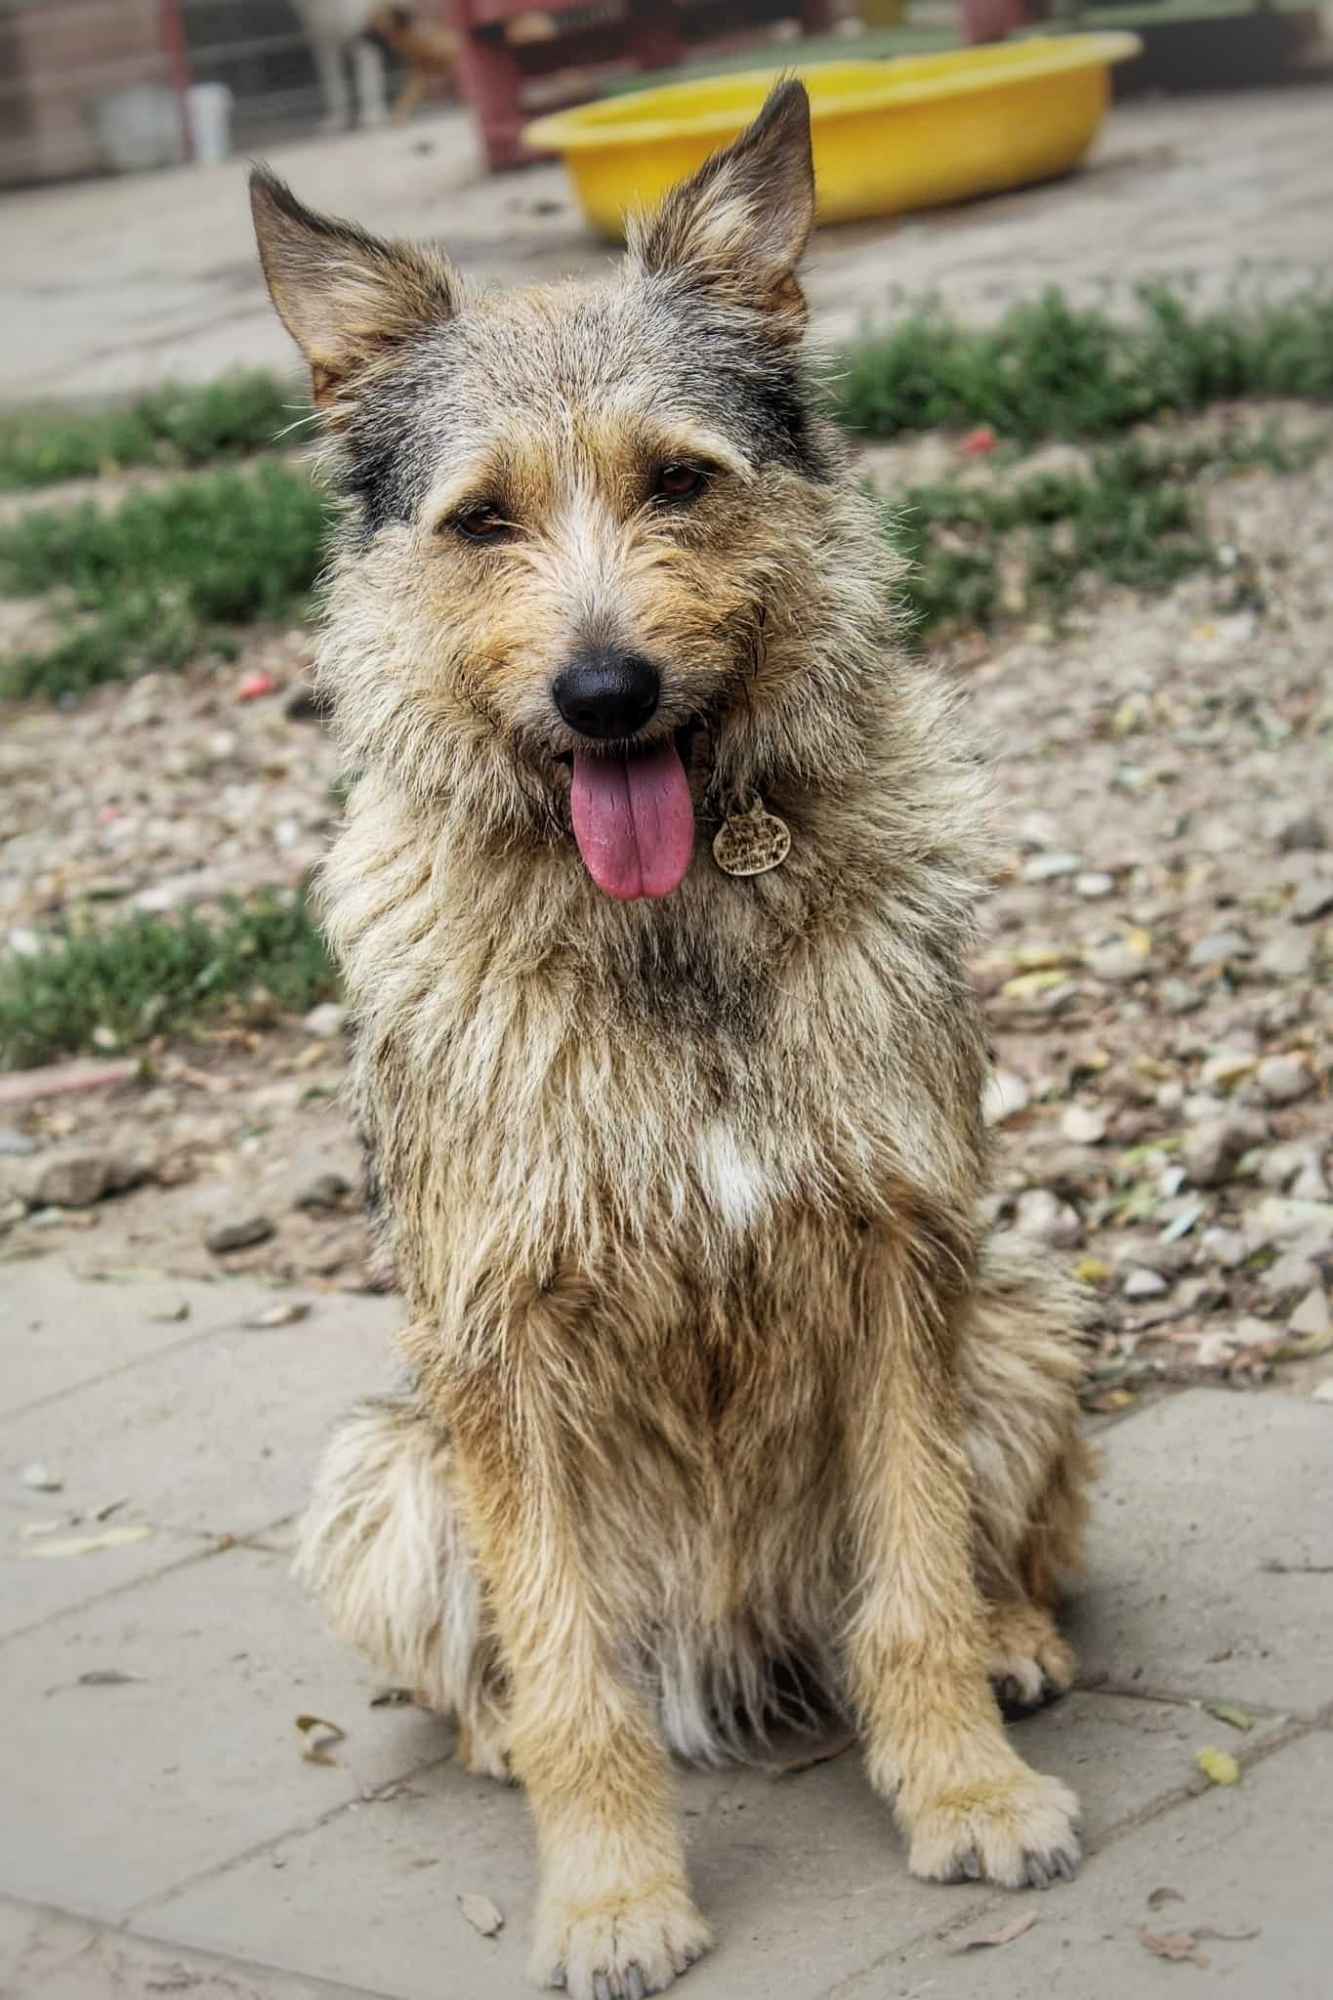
x,y
1020,1831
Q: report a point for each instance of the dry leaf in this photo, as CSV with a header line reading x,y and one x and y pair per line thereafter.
x,y
1164,1895
41,1479
1218,1766
1029,984
1227,1711
285,1314
106,1677
1005,1935
320,1737
393,1698
1305,1346
482,1914
87,1545
1179,1946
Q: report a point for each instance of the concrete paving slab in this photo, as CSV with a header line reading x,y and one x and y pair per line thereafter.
x,y
1252,1859
45,1955
113,1793
213,1437
1202,1494
60,1330
796,1874
803,1875
35,1587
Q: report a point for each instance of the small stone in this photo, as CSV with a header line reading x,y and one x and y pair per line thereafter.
x,y
1310,1184
325,1021
1179,997
326,1191
1219,948
1042,1218
1313,899
1082,1126
1116,962
1303,835
1143,1284
1211,1149
1292,1272
239,1235
1226,1247
1283,1079
82,1179
1226,1068
1312,1314
1282,1219
15,1145
1289,955
1051,867
1094,886
40,1478
1324,1393
1006,1095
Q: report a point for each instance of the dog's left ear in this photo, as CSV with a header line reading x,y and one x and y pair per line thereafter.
x,y
739,226
348,299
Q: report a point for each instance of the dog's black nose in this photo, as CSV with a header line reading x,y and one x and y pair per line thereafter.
x,y
608,694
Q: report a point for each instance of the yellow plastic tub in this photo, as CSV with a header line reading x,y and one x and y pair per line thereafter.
x,y
888,136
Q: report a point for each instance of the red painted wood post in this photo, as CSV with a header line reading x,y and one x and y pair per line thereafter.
x,y
177,52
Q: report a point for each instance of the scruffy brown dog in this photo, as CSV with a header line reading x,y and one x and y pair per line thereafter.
x,y
718,1397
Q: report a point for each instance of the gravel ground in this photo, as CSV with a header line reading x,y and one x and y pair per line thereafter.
x,y
1156,960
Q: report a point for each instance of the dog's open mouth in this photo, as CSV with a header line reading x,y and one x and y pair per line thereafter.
x,y
634,818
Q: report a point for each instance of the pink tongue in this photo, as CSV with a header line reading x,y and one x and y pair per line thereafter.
x,y
634,821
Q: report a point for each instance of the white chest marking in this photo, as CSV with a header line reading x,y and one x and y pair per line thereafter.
x,y
733,1180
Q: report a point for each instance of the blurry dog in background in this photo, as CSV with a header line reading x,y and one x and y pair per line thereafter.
x,y
428,49
335,30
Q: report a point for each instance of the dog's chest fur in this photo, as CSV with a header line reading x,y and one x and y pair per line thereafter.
x,y
686,1114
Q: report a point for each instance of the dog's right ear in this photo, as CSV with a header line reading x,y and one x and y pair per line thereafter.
x,y
348,299
738,227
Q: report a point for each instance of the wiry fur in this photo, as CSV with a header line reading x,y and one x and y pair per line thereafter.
x,y
719,1405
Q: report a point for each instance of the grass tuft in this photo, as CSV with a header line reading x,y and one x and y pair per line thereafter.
x,y
1133,518
155,580
1052,369
150,975
176,426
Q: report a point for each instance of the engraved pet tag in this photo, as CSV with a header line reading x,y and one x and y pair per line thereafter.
x,y
750,843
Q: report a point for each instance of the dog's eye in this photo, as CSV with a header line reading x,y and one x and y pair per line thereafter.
x,y
679,482
483,523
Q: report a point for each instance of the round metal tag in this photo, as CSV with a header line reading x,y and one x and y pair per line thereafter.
x,y
750,843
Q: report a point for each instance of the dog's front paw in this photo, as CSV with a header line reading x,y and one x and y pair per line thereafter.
x,y
620,1947
1020,1830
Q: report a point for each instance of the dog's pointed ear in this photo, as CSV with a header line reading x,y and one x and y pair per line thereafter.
x,y
739,226
348,299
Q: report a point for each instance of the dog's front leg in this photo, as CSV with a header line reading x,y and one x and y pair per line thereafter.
x,y
614,1918
935,1743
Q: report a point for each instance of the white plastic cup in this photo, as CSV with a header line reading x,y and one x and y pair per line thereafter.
x,y
208,112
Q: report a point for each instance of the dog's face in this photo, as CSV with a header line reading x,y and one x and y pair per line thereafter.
x,y
580,517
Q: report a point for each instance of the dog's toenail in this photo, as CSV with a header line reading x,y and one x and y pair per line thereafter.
x,y
634,1986
601,1987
